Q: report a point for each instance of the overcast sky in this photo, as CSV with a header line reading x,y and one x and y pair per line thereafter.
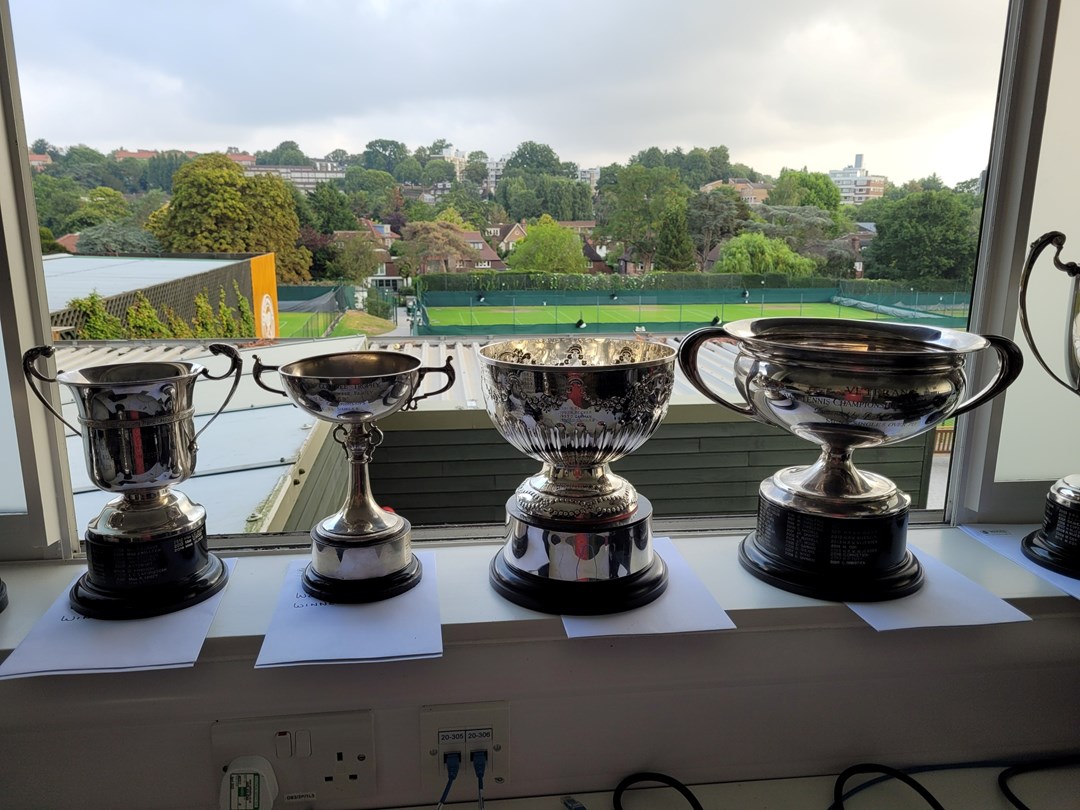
x,y
908,83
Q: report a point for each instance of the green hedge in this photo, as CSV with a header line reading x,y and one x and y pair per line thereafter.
x,y
583,282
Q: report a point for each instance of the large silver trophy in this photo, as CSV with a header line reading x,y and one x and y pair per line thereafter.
x,y
146,550
578,535
1057,544
831,530
361,553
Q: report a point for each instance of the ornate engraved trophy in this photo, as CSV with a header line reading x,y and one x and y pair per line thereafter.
x,y
146,550
362,553
578,535
1057,544
830,530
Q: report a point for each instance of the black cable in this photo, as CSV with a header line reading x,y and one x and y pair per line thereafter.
x,y
870,767
453,764
650,776
1028,767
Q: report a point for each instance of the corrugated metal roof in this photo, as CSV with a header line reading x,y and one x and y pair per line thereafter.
x,y
76,276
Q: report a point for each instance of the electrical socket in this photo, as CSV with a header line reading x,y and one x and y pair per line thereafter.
x,y
464,728
326,761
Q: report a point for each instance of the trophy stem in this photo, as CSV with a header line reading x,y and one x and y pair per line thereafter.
x,y
586,492
360,515
833,475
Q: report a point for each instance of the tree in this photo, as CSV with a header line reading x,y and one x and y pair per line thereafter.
x,y
538,158
99,205
43,147
674,248
331,209
49,243
925,235
161,168
355,260
384,155
712,217
115,238
475,172
142,321
87,167
548,248
756,254
216,209
321,247
438,171
144,205
802,227
57,199
286,153
972,186
453,216
409,171
377,185
479,156
428,242
98,323
338,156
634,205
526,195
805,188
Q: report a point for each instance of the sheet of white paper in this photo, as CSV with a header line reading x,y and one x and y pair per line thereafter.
x,y
1005,540
946,599
686,606
64,643
304,630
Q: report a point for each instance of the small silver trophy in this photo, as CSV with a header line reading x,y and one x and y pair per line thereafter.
x,y
830,530
1057,544
579,536
361,553
146,551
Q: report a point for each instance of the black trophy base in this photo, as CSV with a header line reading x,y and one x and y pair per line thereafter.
x,y
95,601
1040,548
359,591
3,596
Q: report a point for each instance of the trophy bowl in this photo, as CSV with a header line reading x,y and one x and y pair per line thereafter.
x,y
361,553
1056,544
146,551
578,535
830,530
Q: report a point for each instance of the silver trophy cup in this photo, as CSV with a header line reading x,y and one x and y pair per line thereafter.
x,y
1056,545
361,553
831,530
578,535
146,551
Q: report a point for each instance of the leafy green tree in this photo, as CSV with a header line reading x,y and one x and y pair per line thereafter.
x,y
98,323
43,147
99,205
475,172
409,171
132,173
465,200
925,235
538,158
49,244
674,248
274,227
57,198
142,321
712,217
548,248
805,188
305,214
338,156
115,238
429,242
384,155
331,209
438,171
479,156
972,186
161,168
527,195
143,205
88,167
453,216
756,254
355,260
322,248
634,206
377,185
802,227
286,153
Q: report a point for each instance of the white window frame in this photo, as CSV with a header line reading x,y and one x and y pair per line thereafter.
x,y
48,530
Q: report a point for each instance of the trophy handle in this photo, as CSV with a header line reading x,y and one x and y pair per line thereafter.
x,y
236,365
31,373
1010,363
257,371
447,369
1057,239
688,352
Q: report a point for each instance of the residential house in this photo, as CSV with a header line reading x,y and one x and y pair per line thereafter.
x,y
582,227
387,274
487,258
750,192
506,236
593,257
138,154
856,184
241,158
39,162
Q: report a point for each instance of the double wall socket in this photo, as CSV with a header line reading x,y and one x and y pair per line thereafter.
x,y
321,761
464,728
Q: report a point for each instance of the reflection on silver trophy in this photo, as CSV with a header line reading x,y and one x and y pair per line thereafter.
x,y
362,553
1057,544
831,530
146,551
578,535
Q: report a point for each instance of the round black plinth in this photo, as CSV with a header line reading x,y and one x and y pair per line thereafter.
x,y
3,596
356,591
590,598
864,585
97,602
1038,548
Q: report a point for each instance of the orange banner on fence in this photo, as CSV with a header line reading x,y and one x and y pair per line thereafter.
x,y
264,301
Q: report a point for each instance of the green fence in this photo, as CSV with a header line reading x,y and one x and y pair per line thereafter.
x,y
571,298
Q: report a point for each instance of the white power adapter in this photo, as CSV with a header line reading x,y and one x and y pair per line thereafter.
x,y
249,783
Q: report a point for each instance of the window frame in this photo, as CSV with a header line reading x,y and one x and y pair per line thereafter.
x,y
47,529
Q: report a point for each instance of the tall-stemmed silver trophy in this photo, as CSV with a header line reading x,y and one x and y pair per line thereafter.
x,y
146,551
831,530
579,537
1056,545
361,553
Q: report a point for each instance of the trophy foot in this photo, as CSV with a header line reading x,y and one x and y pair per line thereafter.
x,y
356,591
575,568
831,584
96,601
1039,548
